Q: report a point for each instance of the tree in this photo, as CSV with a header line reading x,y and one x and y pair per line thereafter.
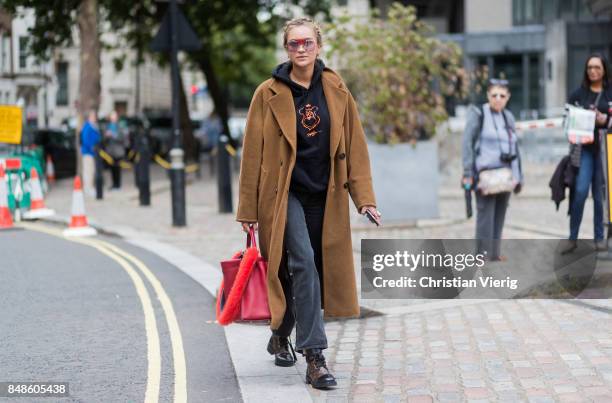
x,y
53,28
238,39
399,71
89,76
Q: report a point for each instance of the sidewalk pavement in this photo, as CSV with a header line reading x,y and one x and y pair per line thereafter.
x,y
412,350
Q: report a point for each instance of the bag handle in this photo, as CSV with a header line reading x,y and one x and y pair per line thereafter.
x,y
251,238
597,99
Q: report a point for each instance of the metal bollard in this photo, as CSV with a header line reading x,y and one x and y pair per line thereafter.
x,y
177,179
142,169
224,176
99,175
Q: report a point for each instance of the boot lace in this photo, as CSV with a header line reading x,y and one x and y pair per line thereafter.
x,y
286,342
319,361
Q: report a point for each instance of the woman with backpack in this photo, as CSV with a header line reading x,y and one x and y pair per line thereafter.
x,y
491,165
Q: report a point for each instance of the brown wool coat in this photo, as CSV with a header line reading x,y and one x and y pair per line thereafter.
x,y
268,158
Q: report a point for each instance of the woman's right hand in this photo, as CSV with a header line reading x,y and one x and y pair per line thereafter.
x,y
246,226
601,118
467,180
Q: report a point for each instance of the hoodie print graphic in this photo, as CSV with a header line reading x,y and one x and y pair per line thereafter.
x,y
310,119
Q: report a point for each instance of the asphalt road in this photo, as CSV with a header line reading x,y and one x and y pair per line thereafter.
x,y
116,322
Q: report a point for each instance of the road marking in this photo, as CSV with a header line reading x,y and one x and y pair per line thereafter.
x,y
178,353
153,346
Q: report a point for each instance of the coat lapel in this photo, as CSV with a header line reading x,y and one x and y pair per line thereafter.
x,y
283,109
336,98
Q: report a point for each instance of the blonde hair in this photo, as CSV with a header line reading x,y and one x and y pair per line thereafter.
x,y
297,22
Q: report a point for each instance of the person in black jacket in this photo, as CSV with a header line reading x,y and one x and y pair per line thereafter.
x,y
594,93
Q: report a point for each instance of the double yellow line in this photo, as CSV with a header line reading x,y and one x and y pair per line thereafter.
x,y
125,261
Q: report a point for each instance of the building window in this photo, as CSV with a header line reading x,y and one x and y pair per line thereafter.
x,y
4,54
23,52
550,10
533,13
525,12
62,84
584,13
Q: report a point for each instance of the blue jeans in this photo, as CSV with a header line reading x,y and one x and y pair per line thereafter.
x,y
590,174
302,286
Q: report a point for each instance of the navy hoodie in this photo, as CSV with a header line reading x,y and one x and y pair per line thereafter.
x,y
311,171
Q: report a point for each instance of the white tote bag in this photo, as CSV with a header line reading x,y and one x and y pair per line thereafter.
x,y
579,125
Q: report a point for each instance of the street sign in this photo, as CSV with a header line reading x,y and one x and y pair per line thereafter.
x,y
11,120
187,38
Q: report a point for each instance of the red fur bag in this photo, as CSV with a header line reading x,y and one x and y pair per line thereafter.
x,y
243,293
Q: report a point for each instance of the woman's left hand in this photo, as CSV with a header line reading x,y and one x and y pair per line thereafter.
x,y
517,186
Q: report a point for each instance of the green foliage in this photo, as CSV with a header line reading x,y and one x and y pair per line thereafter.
x,y
239,45
399,72
54,20
239,36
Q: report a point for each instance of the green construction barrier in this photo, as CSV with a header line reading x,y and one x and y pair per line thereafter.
x,y
17,179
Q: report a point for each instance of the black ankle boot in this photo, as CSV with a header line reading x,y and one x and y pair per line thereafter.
x,y
279,347
317,373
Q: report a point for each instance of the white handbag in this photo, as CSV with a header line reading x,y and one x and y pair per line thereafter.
x,y
495,180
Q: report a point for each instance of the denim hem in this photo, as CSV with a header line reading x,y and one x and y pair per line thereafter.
x,y
301,349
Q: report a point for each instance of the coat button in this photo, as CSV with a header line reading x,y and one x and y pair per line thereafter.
x,y
346,185
281,162
342,156
275,190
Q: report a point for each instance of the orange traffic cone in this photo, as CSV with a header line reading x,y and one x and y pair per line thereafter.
x,y
78,222
50,170
37,204
6,220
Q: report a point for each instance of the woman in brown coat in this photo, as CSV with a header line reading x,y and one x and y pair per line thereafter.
x,y
304,153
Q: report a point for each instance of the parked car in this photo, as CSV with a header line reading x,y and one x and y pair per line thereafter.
x,y
160,128
60,145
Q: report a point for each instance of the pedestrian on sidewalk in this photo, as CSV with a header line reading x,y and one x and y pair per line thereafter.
x,y
594,93
90,137
115,147
304,153
492,165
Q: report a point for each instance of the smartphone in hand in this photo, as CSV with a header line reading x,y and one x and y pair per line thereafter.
x,y
371,217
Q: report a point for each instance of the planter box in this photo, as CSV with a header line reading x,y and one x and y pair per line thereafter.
x,y
405,180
